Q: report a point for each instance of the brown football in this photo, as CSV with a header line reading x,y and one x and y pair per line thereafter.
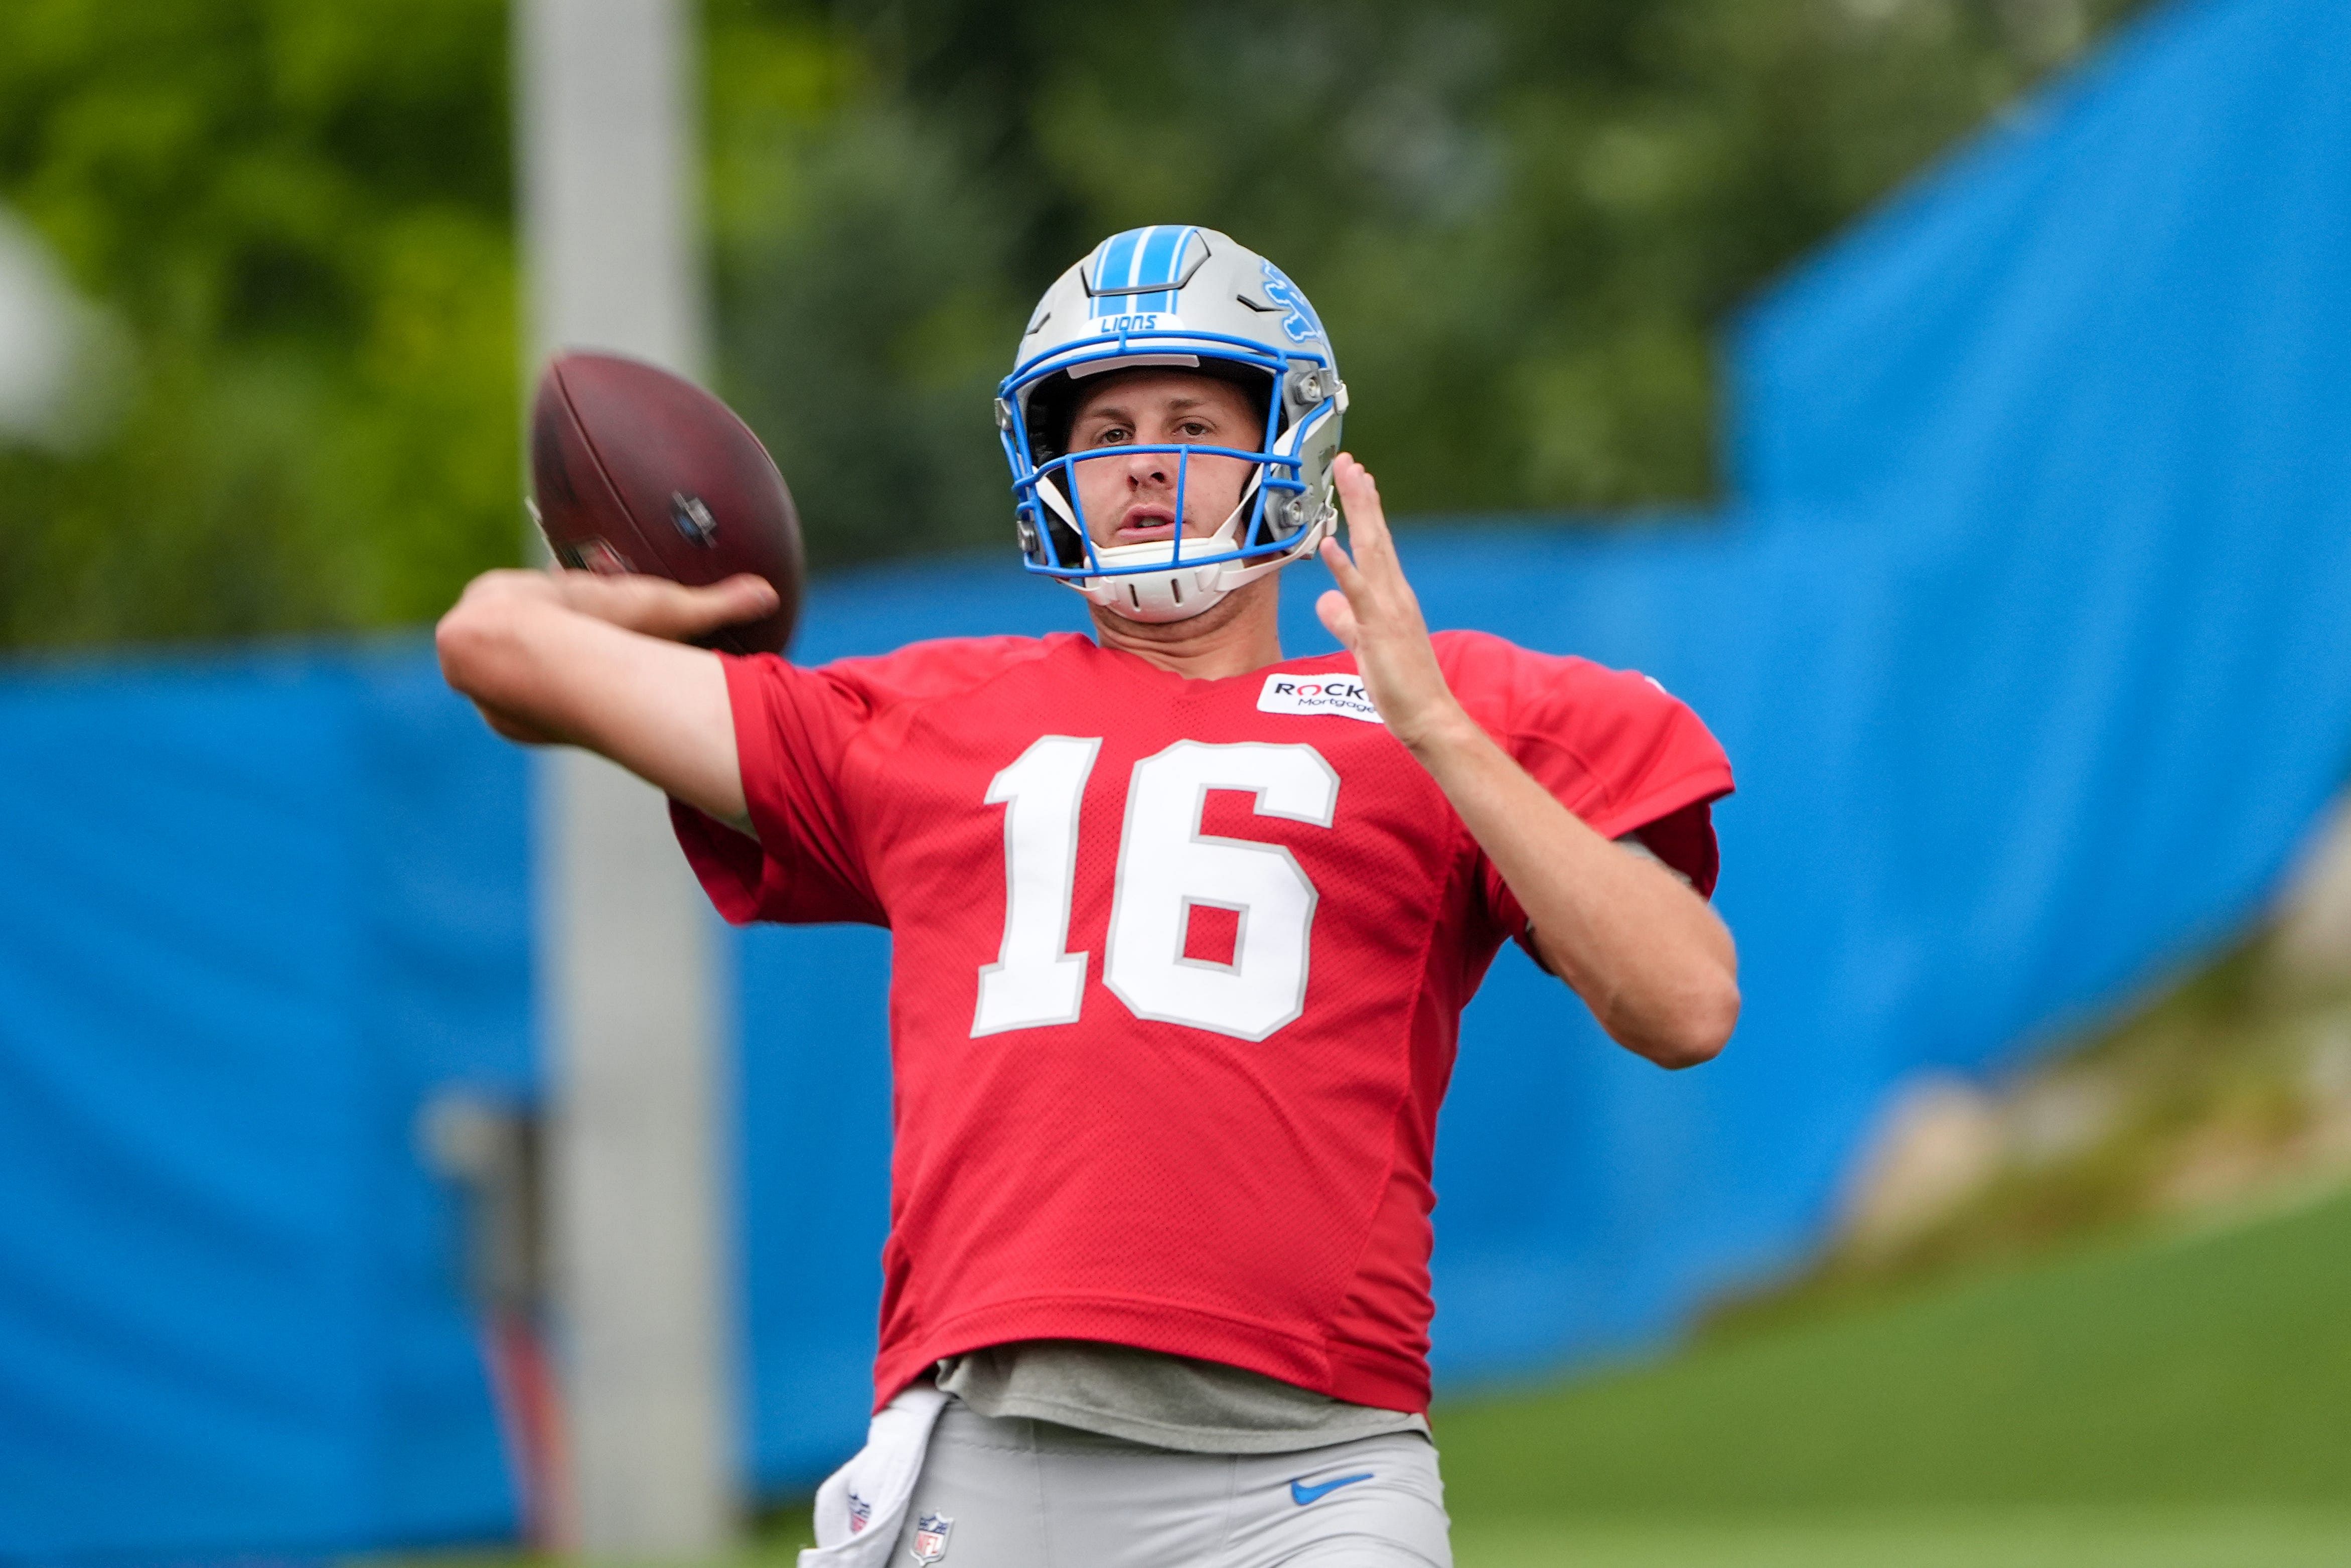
x,y
640,470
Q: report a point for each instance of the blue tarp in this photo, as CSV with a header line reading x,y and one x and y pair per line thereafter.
x,y
2023,629
250,911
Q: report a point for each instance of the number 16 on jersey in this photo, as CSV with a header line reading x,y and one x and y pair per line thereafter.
x,y
1165,865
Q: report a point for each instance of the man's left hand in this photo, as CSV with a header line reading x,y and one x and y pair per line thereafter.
x,y
1375,614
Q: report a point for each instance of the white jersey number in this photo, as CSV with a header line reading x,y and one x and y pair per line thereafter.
x,y
1033,981
1165,866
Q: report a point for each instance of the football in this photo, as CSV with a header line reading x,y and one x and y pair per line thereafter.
x,y
639,470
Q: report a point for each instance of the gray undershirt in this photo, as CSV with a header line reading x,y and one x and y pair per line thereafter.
x,y
1167,1400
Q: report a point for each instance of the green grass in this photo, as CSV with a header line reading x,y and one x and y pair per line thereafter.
x,y
2002,1539
2192,1372
2172,1401
2149,1539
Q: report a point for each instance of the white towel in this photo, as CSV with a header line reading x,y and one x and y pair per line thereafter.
x,y
862,1505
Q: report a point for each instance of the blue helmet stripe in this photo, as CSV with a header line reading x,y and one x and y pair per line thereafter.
x,y
1134,263
1149,262
1162,253
1146,243
1127,266
1116,270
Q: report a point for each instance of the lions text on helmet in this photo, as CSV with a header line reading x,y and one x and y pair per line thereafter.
x,y
1157,507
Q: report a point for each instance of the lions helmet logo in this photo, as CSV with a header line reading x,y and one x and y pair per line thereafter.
x,y
1299,320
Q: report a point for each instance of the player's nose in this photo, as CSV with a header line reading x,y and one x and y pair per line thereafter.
x,y
1151,470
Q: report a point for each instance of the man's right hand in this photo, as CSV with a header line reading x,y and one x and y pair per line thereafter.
x,y
595,661
653,605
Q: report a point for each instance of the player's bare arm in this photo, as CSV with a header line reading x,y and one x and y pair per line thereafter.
x,y
1651,960
600,662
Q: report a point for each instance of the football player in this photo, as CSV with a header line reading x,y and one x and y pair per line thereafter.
x,y
1182,930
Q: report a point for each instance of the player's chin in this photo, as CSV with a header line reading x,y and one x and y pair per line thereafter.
x,y
1183,630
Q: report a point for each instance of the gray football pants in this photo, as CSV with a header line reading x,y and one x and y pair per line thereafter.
x,y
1014,1493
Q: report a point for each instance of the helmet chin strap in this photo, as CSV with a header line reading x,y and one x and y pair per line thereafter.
x,y
1175,593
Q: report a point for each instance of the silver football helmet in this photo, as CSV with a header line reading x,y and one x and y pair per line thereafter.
x,y
1190,299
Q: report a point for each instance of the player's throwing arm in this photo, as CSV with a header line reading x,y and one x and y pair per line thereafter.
x,y
602,661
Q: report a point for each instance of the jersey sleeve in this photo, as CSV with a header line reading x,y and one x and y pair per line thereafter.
x,y
793,728
1612,745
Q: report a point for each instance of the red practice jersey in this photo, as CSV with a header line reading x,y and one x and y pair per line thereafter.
x,y
1178,972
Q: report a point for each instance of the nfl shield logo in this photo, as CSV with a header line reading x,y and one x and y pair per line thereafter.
x,y
931,1537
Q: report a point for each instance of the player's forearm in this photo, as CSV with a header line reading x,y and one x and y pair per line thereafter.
x,y
1649,957
542,671
506,727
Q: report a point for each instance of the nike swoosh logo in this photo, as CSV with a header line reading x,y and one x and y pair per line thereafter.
x,y
1301,1494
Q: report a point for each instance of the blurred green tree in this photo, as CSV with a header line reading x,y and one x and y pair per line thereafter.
x,y
1523,220
299,216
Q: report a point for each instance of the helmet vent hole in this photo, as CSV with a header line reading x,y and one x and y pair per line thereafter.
x,y
1178,589
1132,594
